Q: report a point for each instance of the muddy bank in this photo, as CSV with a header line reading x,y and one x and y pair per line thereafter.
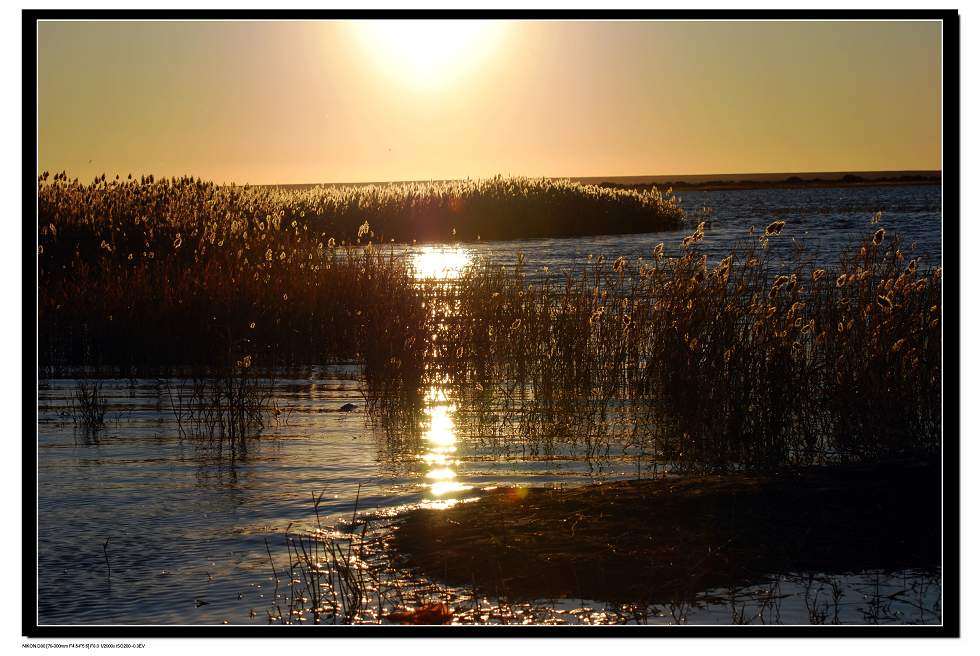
x,y
667,539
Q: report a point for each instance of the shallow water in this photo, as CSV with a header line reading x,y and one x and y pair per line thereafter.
x,y
189,535
183,525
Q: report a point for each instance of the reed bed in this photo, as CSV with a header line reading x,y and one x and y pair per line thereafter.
x,y
135,273
470,210
142,275
736,364
746,362
467,210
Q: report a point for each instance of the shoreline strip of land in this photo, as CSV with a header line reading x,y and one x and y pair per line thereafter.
x,y
666,539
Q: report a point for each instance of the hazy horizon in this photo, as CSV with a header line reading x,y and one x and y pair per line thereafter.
x,y
345,101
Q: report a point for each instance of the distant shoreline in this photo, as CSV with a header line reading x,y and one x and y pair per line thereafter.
x,y
711,182
789,182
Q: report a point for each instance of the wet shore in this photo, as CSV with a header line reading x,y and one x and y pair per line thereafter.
x,y
660,540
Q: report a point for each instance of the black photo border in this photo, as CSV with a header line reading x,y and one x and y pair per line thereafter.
x,y
950,626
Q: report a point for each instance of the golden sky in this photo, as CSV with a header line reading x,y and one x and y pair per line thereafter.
x,y
285,102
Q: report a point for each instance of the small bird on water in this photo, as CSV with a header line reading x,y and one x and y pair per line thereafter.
x,y
348,407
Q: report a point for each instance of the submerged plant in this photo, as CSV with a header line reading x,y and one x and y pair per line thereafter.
x,y
89,405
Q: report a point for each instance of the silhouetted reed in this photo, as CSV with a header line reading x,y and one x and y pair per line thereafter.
x,y
337,575
178,271
88,405
736,364
222,408
146,275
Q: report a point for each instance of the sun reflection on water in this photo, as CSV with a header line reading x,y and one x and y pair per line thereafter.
x,y
440,445
440,262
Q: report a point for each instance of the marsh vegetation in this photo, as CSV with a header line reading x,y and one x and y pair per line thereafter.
x,y
738,363
760,360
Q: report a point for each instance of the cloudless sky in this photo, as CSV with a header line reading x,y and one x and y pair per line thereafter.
x,y
268,102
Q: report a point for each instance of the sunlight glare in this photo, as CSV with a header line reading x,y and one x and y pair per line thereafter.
x,y
440,263
429,53
441,474
442,430
441,439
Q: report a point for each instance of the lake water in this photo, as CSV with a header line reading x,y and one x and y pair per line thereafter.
x,y
826,221
189,534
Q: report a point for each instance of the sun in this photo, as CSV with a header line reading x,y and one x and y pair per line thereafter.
x,y
430,53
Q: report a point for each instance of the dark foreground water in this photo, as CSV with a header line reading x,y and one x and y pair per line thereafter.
x,y
190,535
